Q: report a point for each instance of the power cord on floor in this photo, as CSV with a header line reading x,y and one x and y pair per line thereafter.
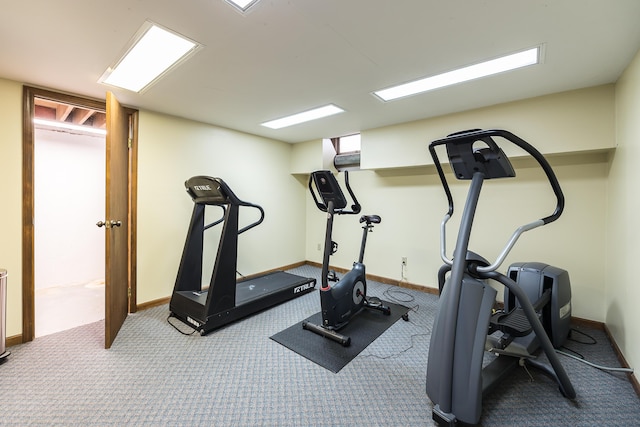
x,y
577,354
401,297
580,358
398,354
178,329
592,341
603,368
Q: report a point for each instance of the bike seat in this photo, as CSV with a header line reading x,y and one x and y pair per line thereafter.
x,y
370,219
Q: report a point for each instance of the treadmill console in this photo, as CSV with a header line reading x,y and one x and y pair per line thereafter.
x,y
206,190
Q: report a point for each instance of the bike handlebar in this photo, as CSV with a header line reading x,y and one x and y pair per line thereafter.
x,y
337,194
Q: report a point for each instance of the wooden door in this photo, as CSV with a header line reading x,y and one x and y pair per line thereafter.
x,y
116,221
121,174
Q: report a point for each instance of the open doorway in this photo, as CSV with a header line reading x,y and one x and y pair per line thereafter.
x,y
69,197
120,190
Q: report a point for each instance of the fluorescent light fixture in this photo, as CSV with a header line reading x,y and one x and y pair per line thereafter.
x,y
316,113
69,126
153,52
242,5
483,69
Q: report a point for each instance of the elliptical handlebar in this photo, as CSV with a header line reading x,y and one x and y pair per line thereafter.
x,y
485,161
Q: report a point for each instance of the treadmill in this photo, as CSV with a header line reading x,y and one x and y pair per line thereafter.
x,y
226,299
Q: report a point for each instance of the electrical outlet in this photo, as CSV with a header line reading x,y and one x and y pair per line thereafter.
x,y
319,247
404,261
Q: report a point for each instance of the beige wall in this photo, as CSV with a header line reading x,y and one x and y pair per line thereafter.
x,y
171,150
412,203
623,248
11,199
599,216
557,123
412,208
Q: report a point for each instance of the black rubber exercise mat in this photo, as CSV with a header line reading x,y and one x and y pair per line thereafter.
x,y
363,329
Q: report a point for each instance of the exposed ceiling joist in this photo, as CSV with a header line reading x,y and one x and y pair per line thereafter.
x,y
61,112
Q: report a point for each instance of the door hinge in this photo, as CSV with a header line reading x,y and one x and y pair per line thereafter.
x,y
129,143
129,292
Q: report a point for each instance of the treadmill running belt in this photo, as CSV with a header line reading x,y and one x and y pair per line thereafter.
x,y
250,289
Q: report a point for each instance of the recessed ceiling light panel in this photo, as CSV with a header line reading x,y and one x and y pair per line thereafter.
x,y
483,69
153,52
316,113
242,5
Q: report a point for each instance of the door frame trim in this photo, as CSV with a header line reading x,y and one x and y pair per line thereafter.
x,y
28,200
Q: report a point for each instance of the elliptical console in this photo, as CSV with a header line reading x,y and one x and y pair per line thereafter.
x,y
456,379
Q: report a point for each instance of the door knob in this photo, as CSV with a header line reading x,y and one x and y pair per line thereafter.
x,y
109,224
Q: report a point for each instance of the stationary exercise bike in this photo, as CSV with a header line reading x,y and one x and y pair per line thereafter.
x,y
348,296
466,323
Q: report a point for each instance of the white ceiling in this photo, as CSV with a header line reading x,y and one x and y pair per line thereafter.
x,y
286,56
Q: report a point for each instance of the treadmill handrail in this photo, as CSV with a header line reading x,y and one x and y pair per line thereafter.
x,y
218,221
223,195
476,135
257,222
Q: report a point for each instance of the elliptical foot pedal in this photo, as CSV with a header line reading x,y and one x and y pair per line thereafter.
x,y
515,323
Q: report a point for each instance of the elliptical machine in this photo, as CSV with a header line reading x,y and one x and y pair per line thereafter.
x,y
465,324
348,296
